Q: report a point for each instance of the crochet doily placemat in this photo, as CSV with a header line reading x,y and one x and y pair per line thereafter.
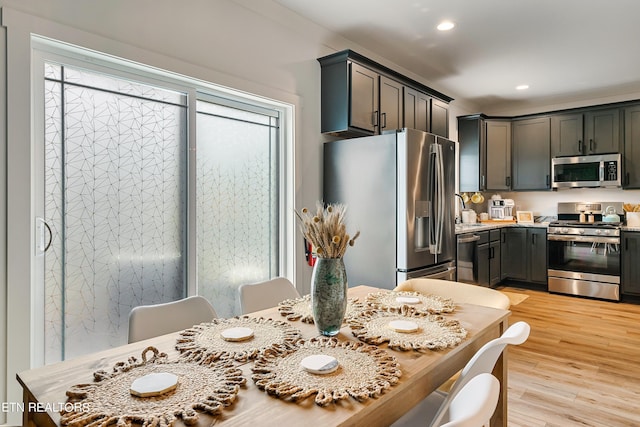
x,y
429,304
204,342
300,308
107,401
364,372
435,332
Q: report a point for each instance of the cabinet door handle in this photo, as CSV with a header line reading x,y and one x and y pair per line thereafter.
x,y
383,120
548,180
591,145
374,118
626,178
508,181
491,253
482,182
580,146
626,243
533,239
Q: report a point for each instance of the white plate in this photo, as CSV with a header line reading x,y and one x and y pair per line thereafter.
x,y
237,334
403,326
408,300
153,384
319,364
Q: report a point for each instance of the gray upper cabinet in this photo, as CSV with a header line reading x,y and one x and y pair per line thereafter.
x,y
440,118
531,154
361,97
602,131
498,155
485,153
567,138
592,132
471,142
391,108
632,147
417,110
363,111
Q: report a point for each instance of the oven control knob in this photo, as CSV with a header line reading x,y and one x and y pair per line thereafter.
x,y
581,231
599,232
564,230
607,231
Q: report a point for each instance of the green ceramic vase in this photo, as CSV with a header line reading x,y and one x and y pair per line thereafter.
x,y
329,295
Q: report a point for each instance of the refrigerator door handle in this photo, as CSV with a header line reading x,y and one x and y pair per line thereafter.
x,y
436,220
432,200
441,197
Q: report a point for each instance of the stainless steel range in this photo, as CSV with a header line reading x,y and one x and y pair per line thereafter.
x,y
584,250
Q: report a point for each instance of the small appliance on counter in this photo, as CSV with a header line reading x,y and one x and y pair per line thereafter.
x,y
501,208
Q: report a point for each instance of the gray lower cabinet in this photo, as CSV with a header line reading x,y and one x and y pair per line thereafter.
x,y
537,241
630,279
531,154
524,254
514,255
632,147
488,261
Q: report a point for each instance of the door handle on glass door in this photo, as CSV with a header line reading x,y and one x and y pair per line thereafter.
x,y
41,226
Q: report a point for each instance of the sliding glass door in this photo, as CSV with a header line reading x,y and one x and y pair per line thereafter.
x,y
115,202
128,201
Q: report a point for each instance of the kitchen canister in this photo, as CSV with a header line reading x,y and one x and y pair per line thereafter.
x,y
469,216
633,219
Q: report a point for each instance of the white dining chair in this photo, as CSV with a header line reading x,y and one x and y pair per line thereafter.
x,y
148,321
476,402
457,291
433,410
261,295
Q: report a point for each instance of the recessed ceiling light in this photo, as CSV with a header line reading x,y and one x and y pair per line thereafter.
x,y
522,87
445,25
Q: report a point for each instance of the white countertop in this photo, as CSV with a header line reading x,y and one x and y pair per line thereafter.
x,y
469,228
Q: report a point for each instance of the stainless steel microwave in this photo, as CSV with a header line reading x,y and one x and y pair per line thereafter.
x,y
603,170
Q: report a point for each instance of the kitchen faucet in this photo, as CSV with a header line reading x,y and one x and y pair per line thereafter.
x,y
458,220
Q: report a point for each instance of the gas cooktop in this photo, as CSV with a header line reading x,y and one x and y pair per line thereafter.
x,y
596,224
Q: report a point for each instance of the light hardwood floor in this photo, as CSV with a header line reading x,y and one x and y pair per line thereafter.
x,y
580,365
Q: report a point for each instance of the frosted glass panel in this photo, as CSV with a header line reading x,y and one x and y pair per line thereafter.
x,y
116,203
237,203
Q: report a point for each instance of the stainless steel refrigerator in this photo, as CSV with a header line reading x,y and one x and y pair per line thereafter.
x,y
399,192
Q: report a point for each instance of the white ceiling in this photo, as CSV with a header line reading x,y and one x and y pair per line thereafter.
x,y
564,50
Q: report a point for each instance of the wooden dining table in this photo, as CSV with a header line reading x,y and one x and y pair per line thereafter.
x,y
422,372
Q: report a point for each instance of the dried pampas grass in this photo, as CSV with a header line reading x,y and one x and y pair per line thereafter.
x,y
326,230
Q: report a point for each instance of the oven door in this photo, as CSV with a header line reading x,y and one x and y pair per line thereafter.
x,y
584,254
584,265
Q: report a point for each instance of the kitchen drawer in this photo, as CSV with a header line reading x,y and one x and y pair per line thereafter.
x,y
484,237
494,235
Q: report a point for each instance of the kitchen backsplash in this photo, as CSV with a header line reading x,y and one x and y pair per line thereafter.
x,y
543,203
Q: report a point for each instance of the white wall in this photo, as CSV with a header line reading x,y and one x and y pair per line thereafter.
x,y
251,45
